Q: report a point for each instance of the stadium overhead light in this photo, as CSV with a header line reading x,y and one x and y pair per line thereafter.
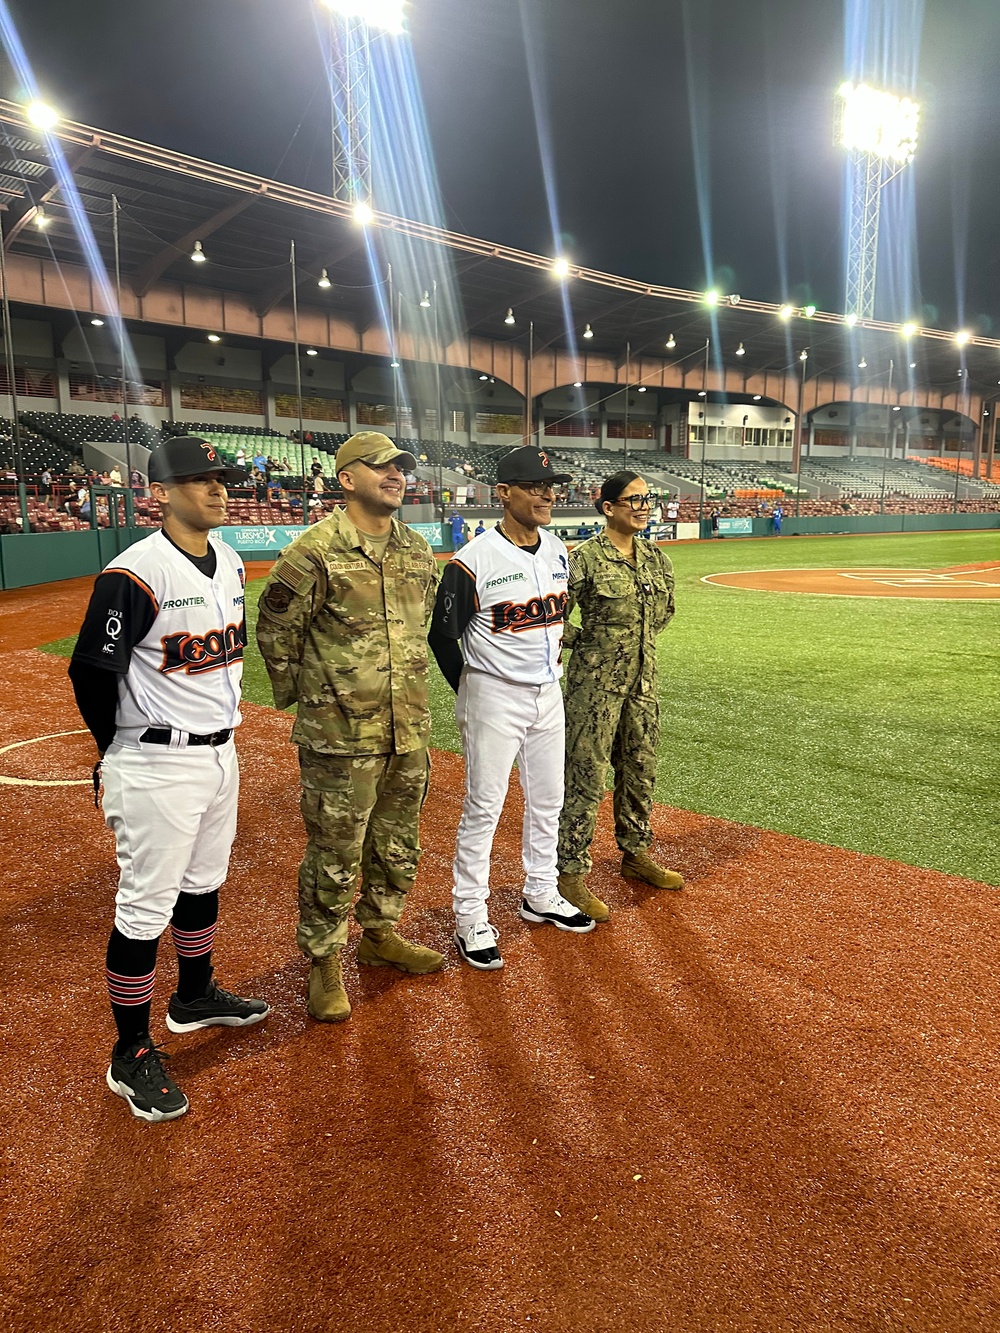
x,y
425,301
712,297
756,397
741,350
909,329
214,338
641,389
804,354
393,365
42,219
808,311
578,384
509,317
962,337
734,298
878,123
913,365
198,255
862,364
42,116
896,409
97,322
701,393
363,213
588,332
324,280
311,351
850,320
384,14
560,267
786,312
484,377
671,343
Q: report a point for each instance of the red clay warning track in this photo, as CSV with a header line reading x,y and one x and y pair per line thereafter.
x,y
766,1103
979,582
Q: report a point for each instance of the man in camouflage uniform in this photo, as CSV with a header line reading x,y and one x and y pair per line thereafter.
x,y
342,630
612,708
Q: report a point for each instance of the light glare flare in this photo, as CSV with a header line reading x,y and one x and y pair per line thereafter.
x,y
42,116
384,14
850,320
560,267
962,337
362,213
786,312
876,122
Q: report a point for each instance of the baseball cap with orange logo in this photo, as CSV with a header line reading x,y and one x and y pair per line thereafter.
x,y
189,456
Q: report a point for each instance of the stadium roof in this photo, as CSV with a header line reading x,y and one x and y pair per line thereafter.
x,y
168,201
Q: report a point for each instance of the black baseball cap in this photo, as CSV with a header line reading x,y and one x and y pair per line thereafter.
x,y
189,456
528,464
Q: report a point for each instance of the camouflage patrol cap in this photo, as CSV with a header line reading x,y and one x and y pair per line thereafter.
x,y
370,446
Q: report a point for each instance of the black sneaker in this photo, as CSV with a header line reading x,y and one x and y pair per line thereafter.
x,y
216,1008
556,911
138,1076
478,946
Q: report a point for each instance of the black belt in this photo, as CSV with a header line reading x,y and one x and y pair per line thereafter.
x,y
162,735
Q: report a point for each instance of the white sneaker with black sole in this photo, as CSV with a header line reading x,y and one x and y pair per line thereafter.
x,y
556,911
478,946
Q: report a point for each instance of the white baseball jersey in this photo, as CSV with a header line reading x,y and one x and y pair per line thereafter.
x,y
174,636
507,605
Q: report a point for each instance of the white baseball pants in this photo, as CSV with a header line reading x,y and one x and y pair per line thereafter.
x,y
173,814
500,722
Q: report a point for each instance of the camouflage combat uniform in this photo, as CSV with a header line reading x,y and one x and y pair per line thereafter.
x,y
612,709
345,638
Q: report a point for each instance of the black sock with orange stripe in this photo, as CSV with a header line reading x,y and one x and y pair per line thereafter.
x,y
193,928
131,973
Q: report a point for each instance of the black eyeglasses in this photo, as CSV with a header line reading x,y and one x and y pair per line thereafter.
x,y
635,501
533,487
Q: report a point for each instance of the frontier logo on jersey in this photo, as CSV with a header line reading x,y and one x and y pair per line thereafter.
x,y
196,653
534,614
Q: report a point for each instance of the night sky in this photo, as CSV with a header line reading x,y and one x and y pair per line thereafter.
x,y
639,100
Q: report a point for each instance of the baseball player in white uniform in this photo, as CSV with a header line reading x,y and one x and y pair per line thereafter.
x,y
157,672
503,598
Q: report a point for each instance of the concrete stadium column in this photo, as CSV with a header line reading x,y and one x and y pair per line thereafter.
x,y
811,438
852,441
270,410
172,398
62,386
991,440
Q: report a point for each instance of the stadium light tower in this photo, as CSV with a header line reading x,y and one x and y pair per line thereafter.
x,y
879,132
354,25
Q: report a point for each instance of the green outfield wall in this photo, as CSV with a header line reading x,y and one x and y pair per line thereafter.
x,y
856,523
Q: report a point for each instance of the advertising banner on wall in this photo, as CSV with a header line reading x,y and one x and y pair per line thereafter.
x,y
258,537
735,527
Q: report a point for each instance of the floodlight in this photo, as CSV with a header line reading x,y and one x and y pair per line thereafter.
x,y
311,351
712,297
384,14
588,332
42,116
913,365
324,280
862,364
214,338
393,365
741,350
804,355
198,255
425,301
97,322
786,312
734,298
808,311
42,219
962,337
756,397
850,320
484,377
909,329
895,409
671,343
878,123
363,213
578,384
509,317
642,388
701,393
560,267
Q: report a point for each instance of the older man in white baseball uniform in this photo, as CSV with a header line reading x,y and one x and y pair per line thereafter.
x,y
157,671
503,599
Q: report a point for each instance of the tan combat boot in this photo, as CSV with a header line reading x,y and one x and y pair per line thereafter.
x,y
328,1002
640,865
381,947
574,889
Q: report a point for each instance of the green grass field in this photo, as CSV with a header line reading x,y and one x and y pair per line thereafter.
x,y
868,723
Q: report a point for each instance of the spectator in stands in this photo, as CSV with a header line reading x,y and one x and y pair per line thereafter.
x,y
115,476
260,462
45,487
715,521
241,456
285,465
76,469
259,483
673,511
317,468
84,503
135,481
